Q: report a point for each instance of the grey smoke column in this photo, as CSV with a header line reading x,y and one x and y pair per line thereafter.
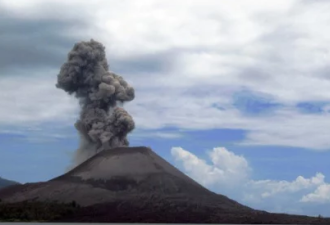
x,y
102,124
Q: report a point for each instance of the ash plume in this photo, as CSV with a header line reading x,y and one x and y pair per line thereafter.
x,y
102,124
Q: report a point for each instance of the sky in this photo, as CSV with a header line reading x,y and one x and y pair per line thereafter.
x,y
236,94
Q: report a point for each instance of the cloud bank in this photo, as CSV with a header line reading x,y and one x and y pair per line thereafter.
x,y
209,55
231,174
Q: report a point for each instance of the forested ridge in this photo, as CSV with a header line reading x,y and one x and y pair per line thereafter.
x,y
35,211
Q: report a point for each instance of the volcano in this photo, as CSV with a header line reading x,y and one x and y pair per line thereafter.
x,y
118,173
134,184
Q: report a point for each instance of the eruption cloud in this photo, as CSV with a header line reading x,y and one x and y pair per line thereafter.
x,y
102,124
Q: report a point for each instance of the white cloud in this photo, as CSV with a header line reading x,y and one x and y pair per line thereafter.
x,y
226,168
270,188
320,195
213,50
229,174
29,101
142,134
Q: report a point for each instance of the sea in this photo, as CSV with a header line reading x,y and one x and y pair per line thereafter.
x,y
33,223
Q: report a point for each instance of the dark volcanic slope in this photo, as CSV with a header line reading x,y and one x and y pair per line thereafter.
x,y
128,169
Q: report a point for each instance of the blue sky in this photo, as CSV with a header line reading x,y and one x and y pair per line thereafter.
x,y
235,95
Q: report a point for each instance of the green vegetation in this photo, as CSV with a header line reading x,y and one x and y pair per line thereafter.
x,y
35,211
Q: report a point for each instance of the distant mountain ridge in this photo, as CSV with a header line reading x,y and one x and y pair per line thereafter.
x,y
6,183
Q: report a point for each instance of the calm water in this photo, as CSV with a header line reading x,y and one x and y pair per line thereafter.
x,y
100,223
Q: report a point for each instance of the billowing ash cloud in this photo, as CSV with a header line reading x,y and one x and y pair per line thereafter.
x,y
102,124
